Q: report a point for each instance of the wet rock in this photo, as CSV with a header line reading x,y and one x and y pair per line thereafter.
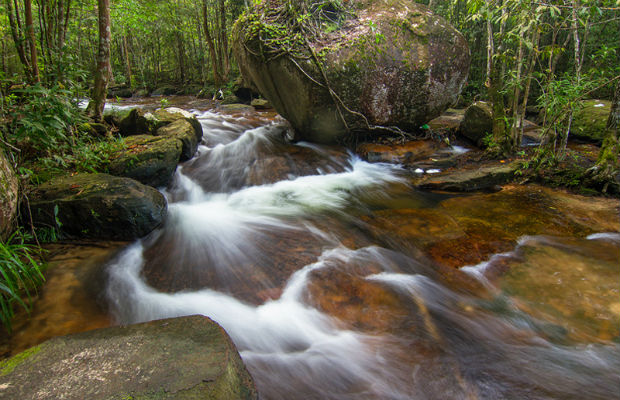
x,y
468,180
169,115
448,122
9,190
98,206
136,122
236,108
150,160
187,357
570,282
405,153
185,133
403,69
477,122
290,162
589,122
261,104
493,222
70,299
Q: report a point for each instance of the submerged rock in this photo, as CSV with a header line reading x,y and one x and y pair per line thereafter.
x,y
9,189
150,160
98,206
477,122
187,357
394,63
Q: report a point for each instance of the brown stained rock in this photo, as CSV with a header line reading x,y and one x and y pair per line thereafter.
x,y
69,301
569,282
9,190
405,153
470,179
187,357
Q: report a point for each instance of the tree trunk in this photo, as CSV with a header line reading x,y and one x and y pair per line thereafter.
x,y
31,41
16,33
102,75
127,62
217,77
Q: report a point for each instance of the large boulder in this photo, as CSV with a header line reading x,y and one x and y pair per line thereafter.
x,y
150,160
590,121
477,122
179,358
390,63
99,206
9,189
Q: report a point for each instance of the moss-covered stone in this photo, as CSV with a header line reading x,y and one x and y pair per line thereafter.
x,y
179,358
590,121
394,64
7,366
9,190
150,160
98,206
477,122
184,132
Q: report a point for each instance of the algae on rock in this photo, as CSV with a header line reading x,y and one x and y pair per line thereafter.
x,y
389,65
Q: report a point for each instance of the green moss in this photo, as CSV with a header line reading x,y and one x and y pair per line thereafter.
x,y
7,366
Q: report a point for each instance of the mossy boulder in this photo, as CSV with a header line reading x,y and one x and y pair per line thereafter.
x,y
589,122
178,358
170,115
93,129
184,133
98,206
150,160
136,122
389,63
477,122
142,122
9,190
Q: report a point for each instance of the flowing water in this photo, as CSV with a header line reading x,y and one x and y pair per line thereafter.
x,y
279,244
337,279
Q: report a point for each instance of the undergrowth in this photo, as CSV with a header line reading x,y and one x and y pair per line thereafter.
x,y
20,275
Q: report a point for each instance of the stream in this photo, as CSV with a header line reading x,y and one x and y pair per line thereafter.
x,y
337,279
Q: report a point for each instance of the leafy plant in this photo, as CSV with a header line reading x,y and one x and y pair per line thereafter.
x,y
20,275
42,118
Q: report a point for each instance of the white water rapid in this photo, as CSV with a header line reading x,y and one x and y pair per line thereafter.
x,y
263,237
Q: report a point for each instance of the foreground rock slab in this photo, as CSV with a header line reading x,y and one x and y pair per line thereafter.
x,y
98,206
187,358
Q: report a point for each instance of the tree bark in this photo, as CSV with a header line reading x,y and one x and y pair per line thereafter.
x,y
217,77
31,41
102,75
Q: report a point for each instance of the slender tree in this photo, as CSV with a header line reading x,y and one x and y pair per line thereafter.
x,y
102,74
